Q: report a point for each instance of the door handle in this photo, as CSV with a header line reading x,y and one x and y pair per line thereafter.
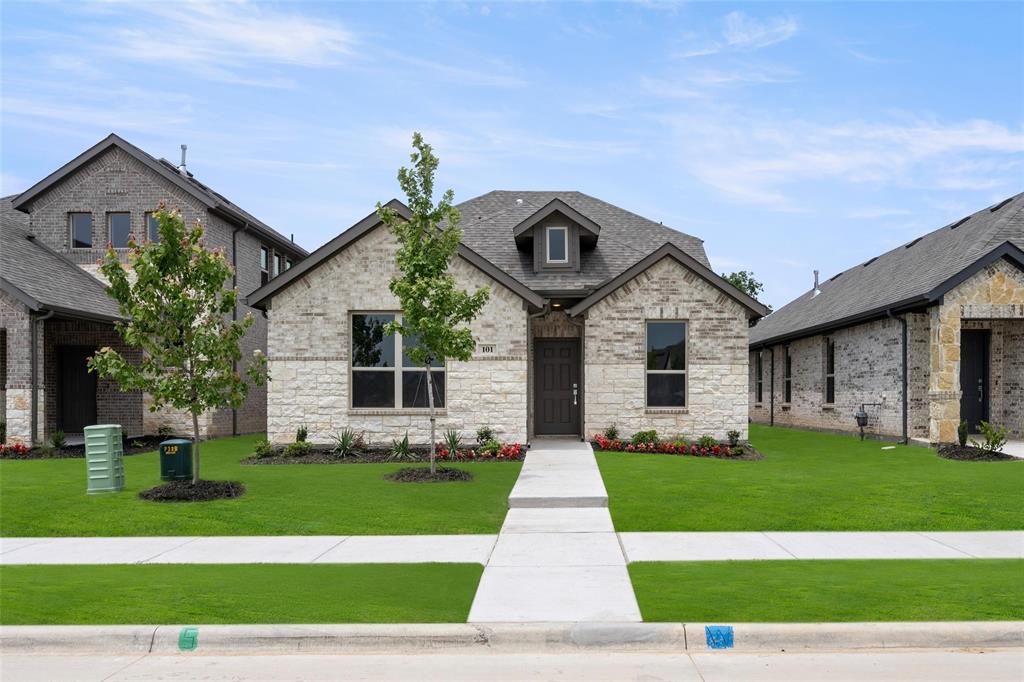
x,y
575,393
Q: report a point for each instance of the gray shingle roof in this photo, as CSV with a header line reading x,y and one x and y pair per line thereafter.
x,y
912,271
41,277
488,222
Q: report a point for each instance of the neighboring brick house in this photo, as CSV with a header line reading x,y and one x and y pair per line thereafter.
x,y
924,335
597,316
53,236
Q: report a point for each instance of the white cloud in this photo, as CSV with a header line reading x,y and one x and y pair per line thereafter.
x,y
746,33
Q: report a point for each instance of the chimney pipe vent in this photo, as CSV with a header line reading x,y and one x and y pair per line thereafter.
x,y
182,168
816,290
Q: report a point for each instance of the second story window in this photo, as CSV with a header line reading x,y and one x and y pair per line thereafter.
x,y
119,227
288,264
264,265
787,378
557,244
80,225
152,227
278,259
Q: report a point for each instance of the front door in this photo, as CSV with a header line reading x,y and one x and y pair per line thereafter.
x,y
76,389
557,387
974,377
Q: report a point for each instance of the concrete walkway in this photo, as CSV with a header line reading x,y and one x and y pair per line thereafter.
x,y
557,558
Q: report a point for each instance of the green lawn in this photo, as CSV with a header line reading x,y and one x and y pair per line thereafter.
x,y
812,481
248,593
47,498
829,591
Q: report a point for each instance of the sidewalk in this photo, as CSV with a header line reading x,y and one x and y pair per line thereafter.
x,y
557,558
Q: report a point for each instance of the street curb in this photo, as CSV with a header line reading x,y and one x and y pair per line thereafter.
x,y
503,637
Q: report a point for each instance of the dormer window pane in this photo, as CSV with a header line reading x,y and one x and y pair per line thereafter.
x,y
558,244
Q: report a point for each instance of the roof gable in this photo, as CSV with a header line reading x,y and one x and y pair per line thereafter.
x,y
586,225
187,183
669,250
264,294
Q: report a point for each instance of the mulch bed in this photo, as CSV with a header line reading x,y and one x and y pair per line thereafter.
x,y
133,446
422,475
968,453
368,456
184,491
750,454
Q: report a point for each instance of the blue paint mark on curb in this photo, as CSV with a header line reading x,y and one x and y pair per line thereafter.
x,y
188,639
718,636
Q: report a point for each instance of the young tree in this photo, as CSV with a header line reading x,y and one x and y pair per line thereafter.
x,y
176,308
433,308
744,281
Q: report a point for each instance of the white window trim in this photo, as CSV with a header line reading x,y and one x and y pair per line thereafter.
x,y
110,227
398,369
683,371
547,243
71,229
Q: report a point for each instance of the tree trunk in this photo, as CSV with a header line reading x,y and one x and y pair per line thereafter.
x,y
433,419
195,449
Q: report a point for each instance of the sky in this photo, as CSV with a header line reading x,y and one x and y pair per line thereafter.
x,y
789,137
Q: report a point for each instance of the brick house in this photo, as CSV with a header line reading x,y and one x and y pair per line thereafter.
x,y
923,336
54,310
597,316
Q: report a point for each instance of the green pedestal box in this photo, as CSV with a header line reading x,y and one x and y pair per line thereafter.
x,y
176,459
104,458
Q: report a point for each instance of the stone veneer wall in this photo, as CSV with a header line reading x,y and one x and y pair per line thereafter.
x,y
308,351
614,352
868,369
17,388
994,293
116,182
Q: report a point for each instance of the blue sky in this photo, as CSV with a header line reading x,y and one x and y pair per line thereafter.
x,y
787,136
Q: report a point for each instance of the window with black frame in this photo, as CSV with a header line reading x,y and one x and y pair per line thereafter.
x,y
830,371
379,380
666,364
759,376
787,377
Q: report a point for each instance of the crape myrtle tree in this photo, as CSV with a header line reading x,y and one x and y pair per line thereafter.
x,y
435,312
176,310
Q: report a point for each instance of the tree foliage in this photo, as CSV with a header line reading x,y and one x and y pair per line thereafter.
x,y
435,311
176,308
745,281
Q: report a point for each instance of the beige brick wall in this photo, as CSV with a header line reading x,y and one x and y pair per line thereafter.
x,y
308,351
614,364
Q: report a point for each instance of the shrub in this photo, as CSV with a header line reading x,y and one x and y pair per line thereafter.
x,y
301,433
961,433
347,442
400,449
490,448
297,449
14,450
734,438
484,434
263,448
706,442
452,440
57,440
3,432
645,437
612,432
164,430
995,437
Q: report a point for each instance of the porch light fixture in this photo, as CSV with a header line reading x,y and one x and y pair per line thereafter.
x,y
556,305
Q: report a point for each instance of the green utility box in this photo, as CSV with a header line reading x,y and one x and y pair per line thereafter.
x,y
104,458
176,459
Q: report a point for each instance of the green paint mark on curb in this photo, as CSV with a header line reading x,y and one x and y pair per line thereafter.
x,y
188,639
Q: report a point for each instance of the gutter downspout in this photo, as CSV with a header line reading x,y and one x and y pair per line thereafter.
x,y
903,394
771,390
33,327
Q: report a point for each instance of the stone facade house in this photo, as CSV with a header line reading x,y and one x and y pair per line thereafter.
x,y
54,310
922,336
596,316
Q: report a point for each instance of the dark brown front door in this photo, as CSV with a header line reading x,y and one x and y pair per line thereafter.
x,y
76,389
557,387
974,377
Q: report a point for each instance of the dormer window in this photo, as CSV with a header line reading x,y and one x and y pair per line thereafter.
x,y
558,244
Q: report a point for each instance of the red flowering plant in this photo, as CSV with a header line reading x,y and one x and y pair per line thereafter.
x,y
14,450
706,446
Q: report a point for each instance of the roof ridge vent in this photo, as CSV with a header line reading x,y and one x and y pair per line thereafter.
x,y
1002,203
869,261
913,242
959,223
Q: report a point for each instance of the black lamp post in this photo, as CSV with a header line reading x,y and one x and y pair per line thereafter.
x,y
862,416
